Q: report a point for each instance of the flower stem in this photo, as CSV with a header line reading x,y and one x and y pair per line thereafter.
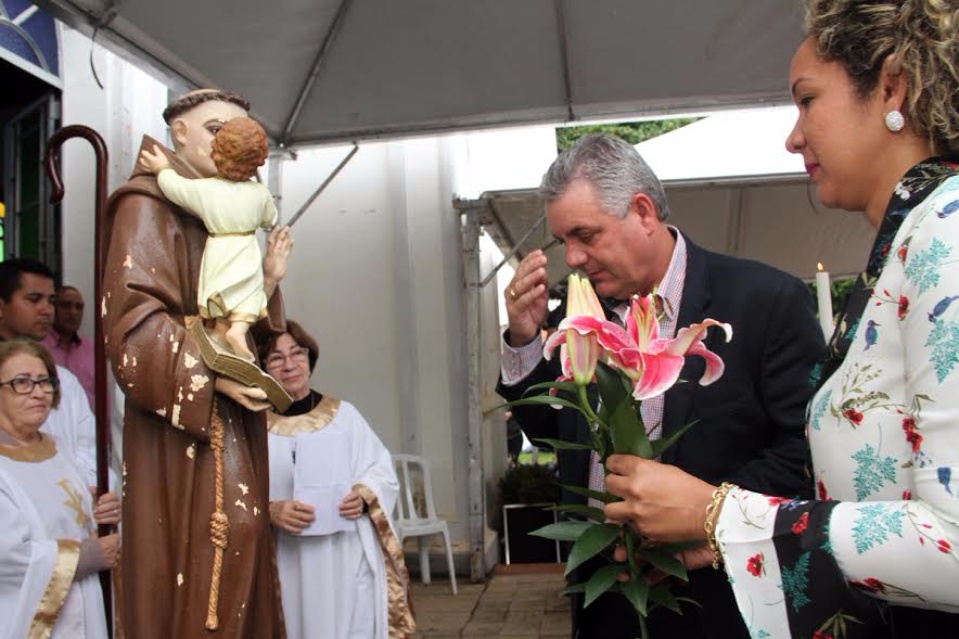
x,y
643,630
585,405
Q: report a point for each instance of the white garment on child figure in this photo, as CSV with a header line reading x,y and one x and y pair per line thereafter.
x,y
231,273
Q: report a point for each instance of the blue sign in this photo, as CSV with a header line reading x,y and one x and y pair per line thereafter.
x,y
28,38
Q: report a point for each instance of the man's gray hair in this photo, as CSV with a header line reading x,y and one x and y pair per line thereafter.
x,y
612,166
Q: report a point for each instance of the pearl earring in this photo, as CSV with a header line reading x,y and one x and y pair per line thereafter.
x,y
894,121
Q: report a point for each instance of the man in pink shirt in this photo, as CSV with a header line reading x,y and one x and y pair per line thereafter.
x,y
69,348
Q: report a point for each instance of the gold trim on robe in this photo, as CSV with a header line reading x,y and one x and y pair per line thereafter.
x,y
319,417
68,556
398,592
40,451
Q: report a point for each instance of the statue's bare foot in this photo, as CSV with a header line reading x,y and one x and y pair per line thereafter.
x,y
239,347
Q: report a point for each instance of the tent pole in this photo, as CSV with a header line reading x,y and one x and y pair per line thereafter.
x,y
515,250
477,502
564,57
314,73
322,187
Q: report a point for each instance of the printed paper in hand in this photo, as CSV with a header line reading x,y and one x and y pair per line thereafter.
x,y
322,478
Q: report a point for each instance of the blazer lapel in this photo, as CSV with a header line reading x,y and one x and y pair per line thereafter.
x,y
680,399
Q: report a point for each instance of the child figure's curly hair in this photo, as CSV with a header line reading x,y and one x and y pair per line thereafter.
x,y
239,148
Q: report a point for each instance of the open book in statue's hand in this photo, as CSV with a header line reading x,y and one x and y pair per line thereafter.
x,y
220,359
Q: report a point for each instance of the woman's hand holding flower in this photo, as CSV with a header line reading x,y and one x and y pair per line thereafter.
x,y
662,502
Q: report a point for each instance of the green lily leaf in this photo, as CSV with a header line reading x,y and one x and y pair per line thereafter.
x,y
579,509
637,591
601,442
666,562
565,387
574,589
628,433
593,541
545,400
606,498
665,442
662,596
613,386
601,581
563,530
562,444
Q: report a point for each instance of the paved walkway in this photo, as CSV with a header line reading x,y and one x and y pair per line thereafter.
x,y
517,601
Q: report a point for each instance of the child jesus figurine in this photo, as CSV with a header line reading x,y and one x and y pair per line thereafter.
x,y
232,207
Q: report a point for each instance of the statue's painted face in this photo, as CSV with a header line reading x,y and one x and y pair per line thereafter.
x,y
193,133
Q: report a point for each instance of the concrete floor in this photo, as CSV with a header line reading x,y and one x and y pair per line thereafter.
x,y
520,600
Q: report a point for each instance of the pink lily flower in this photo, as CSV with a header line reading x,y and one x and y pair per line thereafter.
x,y
654,363
577,333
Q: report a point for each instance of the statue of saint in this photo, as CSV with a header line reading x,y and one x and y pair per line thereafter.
x,y
198,557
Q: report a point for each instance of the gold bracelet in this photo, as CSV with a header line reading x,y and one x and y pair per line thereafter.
x,y
712,515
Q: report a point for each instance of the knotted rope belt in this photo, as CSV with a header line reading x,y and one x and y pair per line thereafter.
x,y
219,522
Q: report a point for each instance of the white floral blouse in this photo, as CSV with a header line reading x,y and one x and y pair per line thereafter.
x,y
884,436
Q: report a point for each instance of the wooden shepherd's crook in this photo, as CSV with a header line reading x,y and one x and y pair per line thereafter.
x,y
99,356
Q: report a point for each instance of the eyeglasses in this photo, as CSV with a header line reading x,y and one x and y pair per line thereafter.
x,y
296,355
25,385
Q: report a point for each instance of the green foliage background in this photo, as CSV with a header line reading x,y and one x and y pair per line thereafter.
x,y
632,132
529,484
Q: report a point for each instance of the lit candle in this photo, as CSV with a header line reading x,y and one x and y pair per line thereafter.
x,y
824,297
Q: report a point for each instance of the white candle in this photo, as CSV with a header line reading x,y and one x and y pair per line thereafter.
x,y
824,297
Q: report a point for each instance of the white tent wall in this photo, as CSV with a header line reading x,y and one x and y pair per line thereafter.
x,y
128,107
371,279
772,222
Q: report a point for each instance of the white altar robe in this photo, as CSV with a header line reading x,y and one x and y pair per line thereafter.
x,y
46,510
333,586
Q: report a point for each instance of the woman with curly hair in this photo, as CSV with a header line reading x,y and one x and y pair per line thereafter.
x,y
232,208
877,554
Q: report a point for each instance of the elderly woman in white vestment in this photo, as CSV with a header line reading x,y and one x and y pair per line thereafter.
x,y
50,553
342,573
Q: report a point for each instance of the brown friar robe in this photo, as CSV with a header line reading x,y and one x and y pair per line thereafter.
x,y
153,253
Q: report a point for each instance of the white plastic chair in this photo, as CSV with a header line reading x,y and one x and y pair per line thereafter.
x,y
410,521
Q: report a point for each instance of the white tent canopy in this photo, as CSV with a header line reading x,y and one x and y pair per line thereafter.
x,y
735,144
328,70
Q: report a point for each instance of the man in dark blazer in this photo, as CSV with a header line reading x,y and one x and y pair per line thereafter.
x,y
609,209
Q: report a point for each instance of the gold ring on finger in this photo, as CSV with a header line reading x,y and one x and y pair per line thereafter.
x,y
512,293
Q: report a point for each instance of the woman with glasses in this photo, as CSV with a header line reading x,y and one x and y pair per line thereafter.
x,y
49,549
342,573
